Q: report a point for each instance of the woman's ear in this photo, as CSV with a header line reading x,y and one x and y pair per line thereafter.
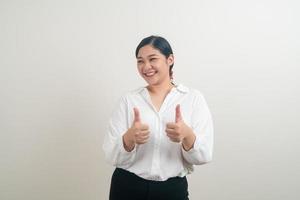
x,y
170,60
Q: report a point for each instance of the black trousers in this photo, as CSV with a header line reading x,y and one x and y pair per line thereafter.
x,y
128,186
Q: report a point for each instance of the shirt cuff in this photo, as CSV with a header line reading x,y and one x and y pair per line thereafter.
x,y
123,150
196,155
125,157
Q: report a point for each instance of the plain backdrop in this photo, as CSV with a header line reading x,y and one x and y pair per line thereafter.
x,y
65,63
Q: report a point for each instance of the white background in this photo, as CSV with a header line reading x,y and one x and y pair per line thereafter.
x,y
65,63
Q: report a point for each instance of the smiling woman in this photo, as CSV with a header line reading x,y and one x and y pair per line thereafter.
x,y
154,51
153,66
158,132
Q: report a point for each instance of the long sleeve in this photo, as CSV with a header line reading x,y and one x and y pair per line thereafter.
x,y
113,141
202,126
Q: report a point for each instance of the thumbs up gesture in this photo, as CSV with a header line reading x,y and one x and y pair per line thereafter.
x,y
138,133
178,131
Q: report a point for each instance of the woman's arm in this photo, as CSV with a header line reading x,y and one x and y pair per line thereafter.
x,y
198,147
113,145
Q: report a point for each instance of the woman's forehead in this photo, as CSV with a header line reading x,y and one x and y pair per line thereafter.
x,y
148,51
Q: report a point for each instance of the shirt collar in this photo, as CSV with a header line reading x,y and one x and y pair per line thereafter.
x,y
179,87
182,88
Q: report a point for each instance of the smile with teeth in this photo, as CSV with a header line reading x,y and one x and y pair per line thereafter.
x,y
150,73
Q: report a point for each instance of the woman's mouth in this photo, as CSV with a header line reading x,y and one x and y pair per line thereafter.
x,y
150,73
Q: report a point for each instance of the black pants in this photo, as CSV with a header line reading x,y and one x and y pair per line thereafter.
x,y
128,186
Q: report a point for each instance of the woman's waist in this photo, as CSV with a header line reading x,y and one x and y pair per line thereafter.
x,y
143,175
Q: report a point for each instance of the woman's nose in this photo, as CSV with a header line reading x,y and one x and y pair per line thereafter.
x,y
147,66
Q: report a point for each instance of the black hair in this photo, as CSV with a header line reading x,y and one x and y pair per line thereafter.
x,y
160,44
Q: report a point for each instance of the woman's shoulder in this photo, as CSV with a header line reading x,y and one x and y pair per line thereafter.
x,y
132,92
189,90
195,96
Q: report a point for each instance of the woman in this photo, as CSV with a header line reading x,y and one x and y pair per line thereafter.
x,y
158,132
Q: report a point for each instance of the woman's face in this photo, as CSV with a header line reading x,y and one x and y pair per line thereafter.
x,y
153,66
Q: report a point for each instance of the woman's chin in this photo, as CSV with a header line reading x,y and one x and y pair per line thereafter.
x,y
151,81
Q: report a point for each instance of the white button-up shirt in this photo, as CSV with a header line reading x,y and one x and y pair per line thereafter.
x,y
160,158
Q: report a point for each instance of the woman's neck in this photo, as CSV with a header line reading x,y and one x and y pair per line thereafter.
x,y
161,88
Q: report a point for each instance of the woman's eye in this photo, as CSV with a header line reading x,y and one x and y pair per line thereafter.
x,y
139,61
152,59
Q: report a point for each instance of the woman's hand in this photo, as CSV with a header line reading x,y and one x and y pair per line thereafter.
x,y
180,132
138,133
